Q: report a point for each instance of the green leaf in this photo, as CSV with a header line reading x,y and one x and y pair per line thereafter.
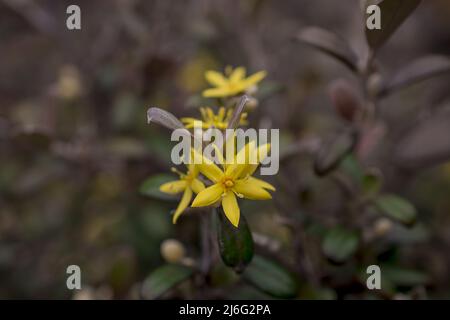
x,y
333,152
235,244
393,13
330,44
271,278
163,279
419,70
352,168
396,208
340,244
372,182
404,277
150,187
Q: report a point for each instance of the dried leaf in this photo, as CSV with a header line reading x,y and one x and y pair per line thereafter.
x,y
333,152
329,43
419,70
426,144
163,118
237,112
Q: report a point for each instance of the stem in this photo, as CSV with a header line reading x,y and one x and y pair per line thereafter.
x,y
205,226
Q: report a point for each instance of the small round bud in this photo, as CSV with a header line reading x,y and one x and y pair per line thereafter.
x,y
374,84
87,293
69,84
252,103
252,90
172,250
382,227
345,99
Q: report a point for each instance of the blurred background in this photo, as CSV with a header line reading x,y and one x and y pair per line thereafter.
x,y
75,144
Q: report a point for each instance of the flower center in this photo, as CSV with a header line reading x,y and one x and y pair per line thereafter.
x,y
232,86
228,183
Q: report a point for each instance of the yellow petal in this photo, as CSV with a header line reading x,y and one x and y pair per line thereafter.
x,y
237,75
188,122
261,183
185,199
215,78
208,196
241,161
251,190
192,169
231,208
207,167
262,153
216,92
197,186
173,187
255,78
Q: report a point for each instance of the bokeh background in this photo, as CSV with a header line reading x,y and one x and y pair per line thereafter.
x,y
75,144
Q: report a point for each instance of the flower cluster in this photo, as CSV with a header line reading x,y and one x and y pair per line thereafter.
x,y
221,183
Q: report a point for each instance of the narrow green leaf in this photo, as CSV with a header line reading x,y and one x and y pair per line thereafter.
x,y
163,279
396,208
150,187
235,244
271,278
333,152
393,13
340,244
330,44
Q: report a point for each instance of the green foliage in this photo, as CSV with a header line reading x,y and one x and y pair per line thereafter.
x,y
397,208
271,278
340,244
163,279
235,244
150,187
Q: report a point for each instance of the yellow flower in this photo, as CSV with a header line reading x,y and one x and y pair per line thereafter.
x,y
234,84
188,183
219,120
233,180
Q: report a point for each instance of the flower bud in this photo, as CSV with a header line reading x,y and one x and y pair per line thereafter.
x,y
382,227
251,104
172,250
374,84
344,99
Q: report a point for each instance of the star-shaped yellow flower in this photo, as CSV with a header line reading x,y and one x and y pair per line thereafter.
x,y
234,180
219,120
232,85
188,183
